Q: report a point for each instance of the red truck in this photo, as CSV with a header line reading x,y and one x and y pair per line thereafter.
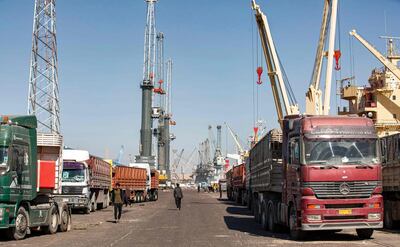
x,y
319,173
239,183
155,182
132,180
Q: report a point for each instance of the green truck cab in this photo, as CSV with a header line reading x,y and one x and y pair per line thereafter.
x,y
25,205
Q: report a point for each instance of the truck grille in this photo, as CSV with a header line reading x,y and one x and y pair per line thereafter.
x,y
72,190
353,189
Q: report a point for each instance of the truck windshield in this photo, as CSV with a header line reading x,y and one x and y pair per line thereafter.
x,y
73,175
341,151
3,159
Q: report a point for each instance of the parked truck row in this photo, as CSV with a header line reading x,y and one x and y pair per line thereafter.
x,y
319,173
40,182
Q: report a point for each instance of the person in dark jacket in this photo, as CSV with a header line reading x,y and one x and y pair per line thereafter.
x,y
178,195
118,197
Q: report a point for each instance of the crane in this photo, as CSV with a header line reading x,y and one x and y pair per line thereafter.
x,y
275,73
236,139
147,85
314,104
391,65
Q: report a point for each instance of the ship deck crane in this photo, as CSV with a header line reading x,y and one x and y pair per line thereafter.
x,y
314,103
275,73
385,61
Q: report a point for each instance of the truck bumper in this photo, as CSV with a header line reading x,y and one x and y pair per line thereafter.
x,y
75,202
338,214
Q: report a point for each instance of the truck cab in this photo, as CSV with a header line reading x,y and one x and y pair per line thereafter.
x,y
76,179
332,173
29,169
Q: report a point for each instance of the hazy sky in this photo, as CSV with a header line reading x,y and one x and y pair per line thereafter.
x,y
100,51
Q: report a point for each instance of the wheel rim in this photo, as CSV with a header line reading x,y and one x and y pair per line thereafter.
x,y
54,221
64,217
21,224
263,222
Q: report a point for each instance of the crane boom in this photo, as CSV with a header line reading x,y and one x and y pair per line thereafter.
x,y
392,67
274,68
314,103
235,138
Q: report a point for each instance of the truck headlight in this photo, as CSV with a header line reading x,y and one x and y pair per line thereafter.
x,y
374,216
1,214
313,217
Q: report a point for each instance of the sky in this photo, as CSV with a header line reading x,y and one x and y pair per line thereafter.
x,y
213,44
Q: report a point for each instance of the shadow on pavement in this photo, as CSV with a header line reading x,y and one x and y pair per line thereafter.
x,y
241,219
238,211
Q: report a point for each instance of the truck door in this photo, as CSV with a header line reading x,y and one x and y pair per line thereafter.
x,y
20,184
293,169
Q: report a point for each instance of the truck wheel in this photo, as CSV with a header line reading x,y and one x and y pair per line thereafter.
x,y
271,224
64,219
364,233
94,207
257,210
21,225
155,195
53,221
264,217
388,219
295,233
242,199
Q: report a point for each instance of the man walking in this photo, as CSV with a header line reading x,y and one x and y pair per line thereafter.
x,y
178,195
117,198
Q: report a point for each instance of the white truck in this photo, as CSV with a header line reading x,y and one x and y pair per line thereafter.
x,y
86,180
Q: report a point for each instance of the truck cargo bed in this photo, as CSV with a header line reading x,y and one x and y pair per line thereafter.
x,y
265,168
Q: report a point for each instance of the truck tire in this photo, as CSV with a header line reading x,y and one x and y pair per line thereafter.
x,y
53,221
388,218
264,217
155,195
295,233
21,225
65,219
242,199
272,226
364,233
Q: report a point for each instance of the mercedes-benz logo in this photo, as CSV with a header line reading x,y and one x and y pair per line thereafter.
x,y
344,188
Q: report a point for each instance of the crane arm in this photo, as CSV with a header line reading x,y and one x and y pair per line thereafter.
x,y
314,104
392,67
235,138
274,68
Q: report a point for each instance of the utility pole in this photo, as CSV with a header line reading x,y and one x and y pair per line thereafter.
x,y
43,97
145,149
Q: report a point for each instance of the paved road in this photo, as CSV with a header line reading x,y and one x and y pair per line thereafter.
x,y
203,221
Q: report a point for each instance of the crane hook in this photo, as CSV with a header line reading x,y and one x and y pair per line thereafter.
x,y
259,73
337,56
